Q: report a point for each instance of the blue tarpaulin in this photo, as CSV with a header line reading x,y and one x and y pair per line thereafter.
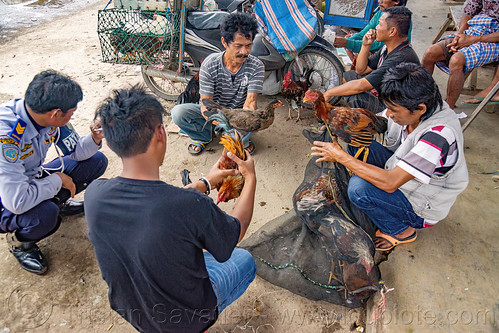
x,y
288,24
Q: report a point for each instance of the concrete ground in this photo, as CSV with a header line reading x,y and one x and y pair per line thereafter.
x,y
444,282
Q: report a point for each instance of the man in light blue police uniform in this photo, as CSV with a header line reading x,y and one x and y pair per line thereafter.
x,y
33,195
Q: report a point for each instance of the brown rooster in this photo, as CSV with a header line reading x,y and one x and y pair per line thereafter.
x,y
293,91
232,186
354,126
241,119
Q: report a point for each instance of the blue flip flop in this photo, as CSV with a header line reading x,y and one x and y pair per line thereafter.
x,y
250,147
480,99
193,151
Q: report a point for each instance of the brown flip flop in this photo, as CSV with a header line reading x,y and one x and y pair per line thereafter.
x,y
394,241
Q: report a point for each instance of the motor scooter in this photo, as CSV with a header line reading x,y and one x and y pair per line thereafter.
x,y
315,64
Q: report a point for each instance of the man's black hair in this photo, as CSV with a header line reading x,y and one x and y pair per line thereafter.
x,y
129,118
51,90
238,22
400,18
401,3
408,85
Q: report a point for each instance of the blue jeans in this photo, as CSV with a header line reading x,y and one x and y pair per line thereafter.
x,y
43,220
392,213
190,120
231,278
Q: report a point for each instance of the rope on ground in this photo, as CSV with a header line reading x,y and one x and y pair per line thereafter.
x,y
380,308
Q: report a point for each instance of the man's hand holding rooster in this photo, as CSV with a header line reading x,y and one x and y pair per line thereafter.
x,y
247,169
329,152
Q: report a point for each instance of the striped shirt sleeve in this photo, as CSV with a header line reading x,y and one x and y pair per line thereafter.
x,y
434,153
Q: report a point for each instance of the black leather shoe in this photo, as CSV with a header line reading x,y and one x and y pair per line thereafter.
x,y
71,207
28,254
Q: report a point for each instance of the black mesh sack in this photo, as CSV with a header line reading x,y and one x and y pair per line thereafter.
x,y
324,249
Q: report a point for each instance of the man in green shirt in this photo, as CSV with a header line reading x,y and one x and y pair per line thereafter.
x,y
353,43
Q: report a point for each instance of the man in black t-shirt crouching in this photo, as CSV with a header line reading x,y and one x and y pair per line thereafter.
x,y
149,236
362,85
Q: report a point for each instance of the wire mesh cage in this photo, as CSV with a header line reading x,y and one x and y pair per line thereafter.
x,y
174,5
142,4
142,37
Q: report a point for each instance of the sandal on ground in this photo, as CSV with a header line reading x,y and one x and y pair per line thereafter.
x,y
250,147
393,241
479,99
191,148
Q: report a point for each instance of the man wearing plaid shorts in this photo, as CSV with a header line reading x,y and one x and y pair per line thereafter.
x,y
474,45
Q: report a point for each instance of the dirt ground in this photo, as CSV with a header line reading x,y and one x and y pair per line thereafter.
x,y
73,297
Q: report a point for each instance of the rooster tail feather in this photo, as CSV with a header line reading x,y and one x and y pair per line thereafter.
x,y
210,104
240,147
234,144
381,124
181,98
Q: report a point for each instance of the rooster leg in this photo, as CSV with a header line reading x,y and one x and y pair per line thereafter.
x,y
293,105
299,113
289,112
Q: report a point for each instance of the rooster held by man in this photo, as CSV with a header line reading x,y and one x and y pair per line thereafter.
x,y
355,127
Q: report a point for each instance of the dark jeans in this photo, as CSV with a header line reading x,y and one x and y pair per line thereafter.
x,y
43,219
392,213
190,120
364,100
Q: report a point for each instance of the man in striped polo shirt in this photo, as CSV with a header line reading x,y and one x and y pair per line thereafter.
x,y
232,78
411,181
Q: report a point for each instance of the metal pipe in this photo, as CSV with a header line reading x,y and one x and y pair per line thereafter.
x,y
170,75
181,39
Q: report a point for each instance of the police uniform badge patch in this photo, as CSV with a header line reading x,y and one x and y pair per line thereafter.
x,y
18,130
10,148
52,131
68,139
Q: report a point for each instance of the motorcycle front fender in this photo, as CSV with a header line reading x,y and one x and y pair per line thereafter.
x,y
318,41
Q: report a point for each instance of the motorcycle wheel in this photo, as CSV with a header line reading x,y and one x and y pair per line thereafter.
x,y
167,83
319,67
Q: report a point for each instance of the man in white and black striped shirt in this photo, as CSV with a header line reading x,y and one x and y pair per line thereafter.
x,y
232,78
413,179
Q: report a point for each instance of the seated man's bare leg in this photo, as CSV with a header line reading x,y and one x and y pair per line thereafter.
x,y
432,55
455,83
482,94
